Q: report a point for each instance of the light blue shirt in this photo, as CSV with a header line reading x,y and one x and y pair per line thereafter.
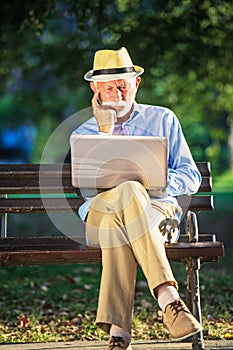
x,y
146,120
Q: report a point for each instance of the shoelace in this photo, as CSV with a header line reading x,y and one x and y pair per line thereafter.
x,y
116,341
177,306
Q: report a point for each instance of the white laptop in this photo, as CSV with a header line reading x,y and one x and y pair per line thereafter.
x,y
102,162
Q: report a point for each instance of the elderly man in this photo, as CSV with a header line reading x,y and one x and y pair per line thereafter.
x,y
128,210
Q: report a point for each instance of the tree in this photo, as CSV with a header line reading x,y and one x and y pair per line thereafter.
x,y
185,47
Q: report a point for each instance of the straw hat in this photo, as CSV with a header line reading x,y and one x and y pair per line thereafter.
x,y
112,65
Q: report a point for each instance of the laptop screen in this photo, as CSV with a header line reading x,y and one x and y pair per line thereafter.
x,y
103,161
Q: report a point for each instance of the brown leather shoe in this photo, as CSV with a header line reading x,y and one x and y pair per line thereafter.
x,y
179,321
118,343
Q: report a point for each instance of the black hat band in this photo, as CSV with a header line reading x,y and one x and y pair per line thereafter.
x,y
113,71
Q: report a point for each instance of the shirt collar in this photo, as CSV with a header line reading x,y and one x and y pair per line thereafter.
x,y
136,107
136,110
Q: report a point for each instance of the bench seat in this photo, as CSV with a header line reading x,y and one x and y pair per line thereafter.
x,y
63,250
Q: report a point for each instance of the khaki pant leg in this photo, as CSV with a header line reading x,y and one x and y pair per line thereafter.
x,y
117,288
122,222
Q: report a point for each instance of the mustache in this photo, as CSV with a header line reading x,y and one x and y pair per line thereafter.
x,y
115,104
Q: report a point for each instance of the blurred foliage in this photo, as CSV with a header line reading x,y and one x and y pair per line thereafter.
x,y
185,47
224,184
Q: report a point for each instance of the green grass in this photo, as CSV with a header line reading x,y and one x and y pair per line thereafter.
x,y
224,182
51,303
58,303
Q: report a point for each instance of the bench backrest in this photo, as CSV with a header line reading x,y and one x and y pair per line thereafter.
x,y
34,180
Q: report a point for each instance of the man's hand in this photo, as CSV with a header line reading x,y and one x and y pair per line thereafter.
x,y
105,116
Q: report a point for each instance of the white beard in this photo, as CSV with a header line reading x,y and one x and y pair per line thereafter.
x,y
121,108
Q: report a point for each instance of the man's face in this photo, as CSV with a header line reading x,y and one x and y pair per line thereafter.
x,y
118,94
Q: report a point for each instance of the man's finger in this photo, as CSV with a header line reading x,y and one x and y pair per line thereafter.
x,y
96,98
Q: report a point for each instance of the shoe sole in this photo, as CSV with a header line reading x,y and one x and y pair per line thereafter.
x,y
187,335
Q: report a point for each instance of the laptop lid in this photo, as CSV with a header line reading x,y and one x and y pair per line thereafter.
x,y
103,161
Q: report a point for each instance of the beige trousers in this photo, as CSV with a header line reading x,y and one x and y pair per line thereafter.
x,y
124,223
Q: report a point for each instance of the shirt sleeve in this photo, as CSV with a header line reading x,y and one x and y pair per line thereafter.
x,y
183,175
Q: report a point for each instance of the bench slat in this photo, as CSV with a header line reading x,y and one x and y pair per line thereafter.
x,y
26,178
197,202
66,243
17,170
207,251
36,205
204,168
49,257
41,243
32,170
23,186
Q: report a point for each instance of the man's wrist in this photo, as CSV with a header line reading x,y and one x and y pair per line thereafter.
x,y
104,133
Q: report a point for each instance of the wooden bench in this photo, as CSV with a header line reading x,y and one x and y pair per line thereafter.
x,y
48,181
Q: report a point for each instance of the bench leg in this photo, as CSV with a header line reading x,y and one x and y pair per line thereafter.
x,y
193,302
4,226
3,222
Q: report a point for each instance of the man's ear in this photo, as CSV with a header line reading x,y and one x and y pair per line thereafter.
x,y
93,86
138,81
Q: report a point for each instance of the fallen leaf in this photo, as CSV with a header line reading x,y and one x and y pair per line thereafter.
x,y
24,321
228,335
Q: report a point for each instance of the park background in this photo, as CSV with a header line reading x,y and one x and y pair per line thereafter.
x,y
186,49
